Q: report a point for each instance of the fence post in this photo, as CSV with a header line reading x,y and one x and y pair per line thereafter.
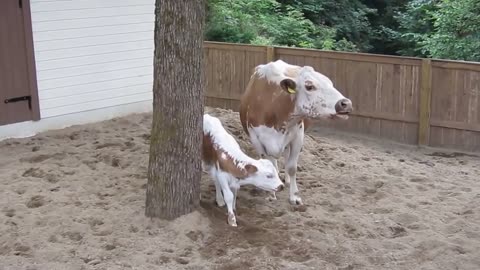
x,y
270,54
425,102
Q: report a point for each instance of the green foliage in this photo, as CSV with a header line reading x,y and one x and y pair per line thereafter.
x,y
268,22
457,31
426,28
414,25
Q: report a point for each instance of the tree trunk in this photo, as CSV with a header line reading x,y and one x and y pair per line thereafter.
x,y
174,168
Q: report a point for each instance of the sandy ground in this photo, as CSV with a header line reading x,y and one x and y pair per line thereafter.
x,y
74,199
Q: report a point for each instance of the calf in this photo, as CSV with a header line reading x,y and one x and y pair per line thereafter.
x,y
277,106
231,168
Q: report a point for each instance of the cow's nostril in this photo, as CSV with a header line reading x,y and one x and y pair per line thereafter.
x,y
343,106
280,188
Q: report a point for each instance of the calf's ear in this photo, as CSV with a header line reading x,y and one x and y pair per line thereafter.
x,y
289,86
251,169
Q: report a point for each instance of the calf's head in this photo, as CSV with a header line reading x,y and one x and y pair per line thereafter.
x,y
263,175
315,95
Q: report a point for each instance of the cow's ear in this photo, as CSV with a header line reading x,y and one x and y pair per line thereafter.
x,y
251,169
289,86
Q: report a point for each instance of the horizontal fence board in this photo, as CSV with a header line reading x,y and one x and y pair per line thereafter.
x,y
385,90
361,57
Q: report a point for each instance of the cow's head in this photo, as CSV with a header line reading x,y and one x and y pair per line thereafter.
x,y
263,175
315,95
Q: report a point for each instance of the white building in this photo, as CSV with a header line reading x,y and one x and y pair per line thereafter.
x,y
69,62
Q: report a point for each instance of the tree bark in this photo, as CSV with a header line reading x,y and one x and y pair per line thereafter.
x,y
174,169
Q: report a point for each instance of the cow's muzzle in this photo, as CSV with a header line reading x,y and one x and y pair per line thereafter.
x,y
343,106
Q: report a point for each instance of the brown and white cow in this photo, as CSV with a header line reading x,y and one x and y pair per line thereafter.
x,y
278,105
231,168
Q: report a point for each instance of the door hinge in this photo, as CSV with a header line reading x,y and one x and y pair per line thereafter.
x,y
20,3
17,99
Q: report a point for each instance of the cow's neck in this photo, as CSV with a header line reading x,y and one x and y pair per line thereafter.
x,y
294,118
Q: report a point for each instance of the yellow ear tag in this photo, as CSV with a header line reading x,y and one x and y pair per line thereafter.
x,y
290,90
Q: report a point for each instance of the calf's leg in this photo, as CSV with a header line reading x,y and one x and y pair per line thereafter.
x,y
228,197
218,193
235,192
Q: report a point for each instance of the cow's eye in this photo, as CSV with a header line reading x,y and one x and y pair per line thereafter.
x,y
269,175
309,87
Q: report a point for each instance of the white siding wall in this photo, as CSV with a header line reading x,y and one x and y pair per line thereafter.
x,y
92,54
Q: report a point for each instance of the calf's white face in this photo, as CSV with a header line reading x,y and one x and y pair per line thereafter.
x,y
265,177
316,97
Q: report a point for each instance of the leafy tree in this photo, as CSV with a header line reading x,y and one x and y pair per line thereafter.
x,y
415,23
457,31
384,37
425,28
268,22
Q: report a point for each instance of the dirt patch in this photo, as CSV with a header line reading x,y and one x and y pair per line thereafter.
x,y
74,199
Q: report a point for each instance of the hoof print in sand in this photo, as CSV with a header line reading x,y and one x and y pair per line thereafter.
x,y
39,173
34,172
9,212
74,236
181,260
110,247
194,235
397,231
22,250
299,208
36,201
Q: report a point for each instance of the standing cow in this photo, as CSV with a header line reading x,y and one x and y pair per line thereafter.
x,y
277,106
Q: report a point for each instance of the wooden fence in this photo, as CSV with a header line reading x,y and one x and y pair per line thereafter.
x,y
405,99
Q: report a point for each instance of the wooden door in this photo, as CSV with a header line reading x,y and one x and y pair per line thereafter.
x,y
18,86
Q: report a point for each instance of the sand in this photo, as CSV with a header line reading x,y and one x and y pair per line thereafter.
x,y
75,199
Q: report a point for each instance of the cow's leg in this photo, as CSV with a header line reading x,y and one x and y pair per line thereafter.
x,y
228,197
261,151
291,167
235,192
273,160
286,156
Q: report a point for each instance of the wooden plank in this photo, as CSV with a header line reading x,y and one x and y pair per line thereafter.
x,y
425,99
455,125
270,54
17,64
30,54
458,65
386,116
410,90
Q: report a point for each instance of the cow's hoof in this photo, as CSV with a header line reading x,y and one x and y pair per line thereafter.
x,y
232,221
295,200
271,199
220,204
